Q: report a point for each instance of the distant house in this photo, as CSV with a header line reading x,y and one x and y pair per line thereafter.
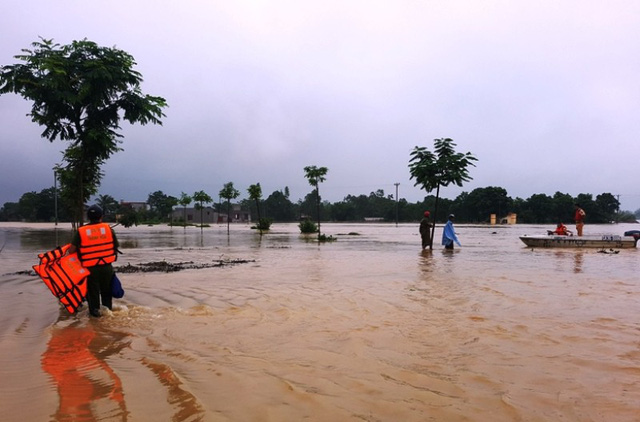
x,y
511,218
190,215
237,214
210,216
136,206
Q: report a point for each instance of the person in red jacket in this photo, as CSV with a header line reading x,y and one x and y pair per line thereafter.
x,y
561,230
579,219
97,248
425,230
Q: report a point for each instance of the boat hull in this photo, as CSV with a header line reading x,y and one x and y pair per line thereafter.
x,y
600,242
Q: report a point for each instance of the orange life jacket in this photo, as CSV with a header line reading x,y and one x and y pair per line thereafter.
x,y
96,245
64,276
562,230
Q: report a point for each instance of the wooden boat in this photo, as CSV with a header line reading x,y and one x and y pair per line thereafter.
x,y
629,240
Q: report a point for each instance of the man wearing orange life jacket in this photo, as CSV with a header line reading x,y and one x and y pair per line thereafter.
x,y
579,218
562,230
97,248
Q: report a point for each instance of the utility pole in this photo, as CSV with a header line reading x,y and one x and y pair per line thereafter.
x,y
397,184
55,197
55,202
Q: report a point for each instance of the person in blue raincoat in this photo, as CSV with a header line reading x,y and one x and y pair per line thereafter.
x,y
449,234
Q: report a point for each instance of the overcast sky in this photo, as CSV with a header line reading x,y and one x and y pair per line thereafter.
x,y
545,94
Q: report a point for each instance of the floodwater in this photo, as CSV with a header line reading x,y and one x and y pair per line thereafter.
x,y
367,328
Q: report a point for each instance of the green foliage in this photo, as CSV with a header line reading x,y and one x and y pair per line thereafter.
x,y
307,226
129,217
161,205
315,176
264,224
80,92
279,207
184,200
325,238
255,194
201,197
109,206
444,167
469,207
228,192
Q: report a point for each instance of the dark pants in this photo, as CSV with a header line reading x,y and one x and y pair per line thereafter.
x,y
99,286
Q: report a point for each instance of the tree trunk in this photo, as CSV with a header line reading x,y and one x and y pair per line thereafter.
x,y
318,208
228,215
435,213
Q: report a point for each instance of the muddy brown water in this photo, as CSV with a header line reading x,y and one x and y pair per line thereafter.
x,y
367,328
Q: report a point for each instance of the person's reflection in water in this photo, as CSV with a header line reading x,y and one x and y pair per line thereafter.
x,y
577,262
82,376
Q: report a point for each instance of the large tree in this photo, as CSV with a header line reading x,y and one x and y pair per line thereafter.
x,y
432,171
315,176
80,92
161,204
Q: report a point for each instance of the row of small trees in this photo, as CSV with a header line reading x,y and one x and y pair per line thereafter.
x,y
469,207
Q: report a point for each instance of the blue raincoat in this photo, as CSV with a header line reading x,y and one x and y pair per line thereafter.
x,y
449,234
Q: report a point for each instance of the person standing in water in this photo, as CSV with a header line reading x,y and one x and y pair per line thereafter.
x,y
97,248
449,234
425,230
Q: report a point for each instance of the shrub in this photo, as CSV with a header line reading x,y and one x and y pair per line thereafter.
x,y
325,238
308,226
263,224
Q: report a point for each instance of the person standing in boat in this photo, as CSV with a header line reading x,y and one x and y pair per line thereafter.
x,y
425,230
97,248
449,234
579,216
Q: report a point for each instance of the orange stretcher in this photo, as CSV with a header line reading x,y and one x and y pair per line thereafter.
x,y
64,275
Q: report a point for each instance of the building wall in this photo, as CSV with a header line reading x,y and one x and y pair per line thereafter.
x,y
209,216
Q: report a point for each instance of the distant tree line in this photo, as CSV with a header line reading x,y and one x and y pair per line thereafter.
x,y
469,207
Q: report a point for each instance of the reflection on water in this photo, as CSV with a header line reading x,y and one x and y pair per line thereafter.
x,y
88,388
369,327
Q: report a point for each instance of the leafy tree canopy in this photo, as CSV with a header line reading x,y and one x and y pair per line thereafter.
x,y
80,92
445,166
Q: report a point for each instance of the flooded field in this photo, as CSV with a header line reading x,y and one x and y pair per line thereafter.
x,y
366,328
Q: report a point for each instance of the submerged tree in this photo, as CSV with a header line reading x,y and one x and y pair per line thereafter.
x,y
184,200
444,167
80,92
315,176
255,193
228,192
201,198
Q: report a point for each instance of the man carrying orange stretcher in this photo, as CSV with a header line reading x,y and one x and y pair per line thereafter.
x,y
83,268
97,247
